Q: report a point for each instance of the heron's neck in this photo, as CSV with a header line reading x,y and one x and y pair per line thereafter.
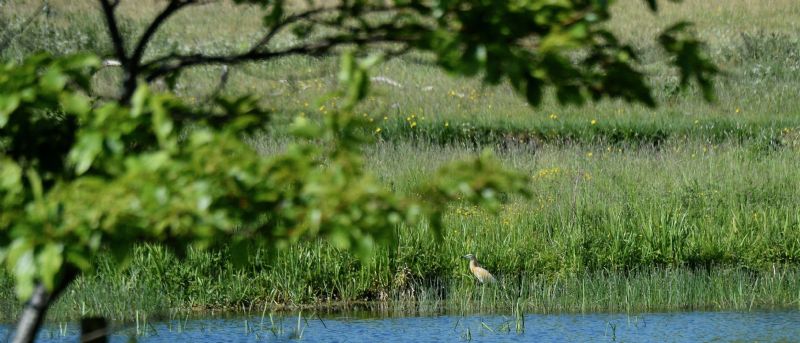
x,y
473,263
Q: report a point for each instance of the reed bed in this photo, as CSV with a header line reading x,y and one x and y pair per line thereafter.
x,y
686,206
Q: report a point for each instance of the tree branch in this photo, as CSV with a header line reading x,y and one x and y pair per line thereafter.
x,y
166,65
172,7
308,15
169,64
133,65
36,308
286,21
113,30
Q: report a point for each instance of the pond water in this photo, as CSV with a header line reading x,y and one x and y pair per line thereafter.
x,y
772,326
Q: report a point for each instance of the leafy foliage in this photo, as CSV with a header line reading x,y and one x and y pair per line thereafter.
x,y
534,44
146,173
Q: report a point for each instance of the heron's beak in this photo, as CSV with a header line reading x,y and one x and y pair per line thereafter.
x,y
465,257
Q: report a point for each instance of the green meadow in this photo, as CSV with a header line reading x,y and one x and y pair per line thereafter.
x,y
690,205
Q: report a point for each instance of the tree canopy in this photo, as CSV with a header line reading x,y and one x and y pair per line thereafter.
x,y
82,175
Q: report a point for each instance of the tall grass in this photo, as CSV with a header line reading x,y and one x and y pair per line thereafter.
x,y
684,226
686,206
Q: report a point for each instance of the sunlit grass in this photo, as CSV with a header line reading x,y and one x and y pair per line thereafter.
x,y
690,205
688,226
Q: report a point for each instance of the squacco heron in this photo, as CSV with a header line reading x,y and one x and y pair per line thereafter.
x,y
481,274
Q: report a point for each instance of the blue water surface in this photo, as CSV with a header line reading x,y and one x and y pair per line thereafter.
x,y
770,326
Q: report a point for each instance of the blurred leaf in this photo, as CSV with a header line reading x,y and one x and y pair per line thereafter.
x,y
303,128
138,100
75,103
8,103
20,261
689,57
533,91
53,80
10,174
347,67
83,154
35,182
80,61
49,260
162,124
275,14
78,260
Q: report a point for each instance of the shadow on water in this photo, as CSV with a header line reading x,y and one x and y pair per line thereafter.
x,y
770,326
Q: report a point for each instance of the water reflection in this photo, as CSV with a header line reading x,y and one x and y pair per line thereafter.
x,y
670,327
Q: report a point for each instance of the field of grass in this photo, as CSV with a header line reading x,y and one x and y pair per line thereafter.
x,y
686,206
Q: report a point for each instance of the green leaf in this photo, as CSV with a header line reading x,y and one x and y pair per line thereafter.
x,y
81,61
35,181
85,151
533,90
304,128
357,86
10,174
78,260
53,80
10,184
370,61
340,239
138,99
49,261
347,67
19,260
75,103
8,104
162,124
25,273
15,250
274,15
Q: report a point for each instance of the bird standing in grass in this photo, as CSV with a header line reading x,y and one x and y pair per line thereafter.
x,y
481,274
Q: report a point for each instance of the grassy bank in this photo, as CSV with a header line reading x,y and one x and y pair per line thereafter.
x,y
687,206
139,294
682,227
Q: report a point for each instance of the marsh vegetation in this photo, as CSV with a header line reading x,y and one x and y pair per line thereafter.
x,y
686,206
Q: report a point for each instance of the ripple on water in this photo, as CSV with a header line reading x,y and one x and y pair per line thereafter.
x,y
770,326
